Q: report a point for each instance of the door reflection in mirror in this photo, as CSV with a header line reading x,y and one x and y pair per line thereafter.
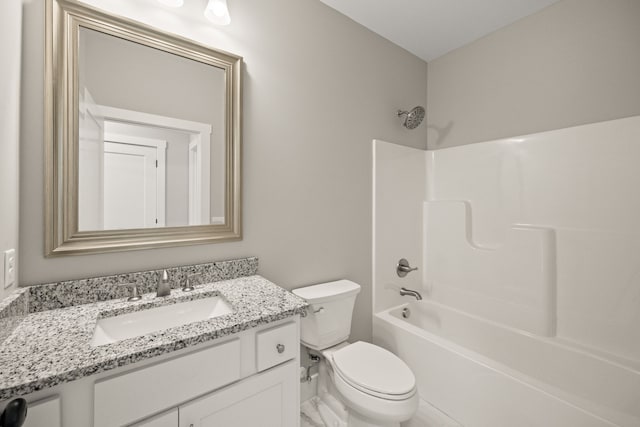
x,y
131,184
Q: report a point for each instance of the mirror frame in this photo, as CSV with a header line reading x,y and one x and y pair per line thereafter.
x,y
63,21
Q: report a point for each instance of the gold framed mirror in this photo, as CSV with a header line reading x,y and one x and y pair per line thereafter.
x,y
143,136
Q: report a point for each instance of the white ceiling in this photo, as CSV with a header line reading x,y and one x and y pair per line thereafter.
x,y
431,28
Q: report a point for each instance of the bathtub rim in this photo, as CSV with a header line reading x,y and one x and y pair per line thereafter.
x,y
633,367
578,403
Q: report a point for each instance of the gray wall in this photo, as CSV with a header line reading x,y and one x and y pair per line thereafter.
x,y
575,62
317,89
10,44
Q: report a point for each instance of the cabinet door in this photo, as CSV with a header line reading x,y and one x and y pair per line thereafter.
x,y
44,413
269,399
167,419
125,398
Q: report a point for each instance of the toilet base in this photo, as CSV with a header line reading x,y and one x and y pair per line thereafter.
x,y
347,418
333,411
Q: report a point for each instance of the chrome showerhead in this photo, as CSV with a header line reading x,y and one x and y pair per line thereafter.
x,y
412,118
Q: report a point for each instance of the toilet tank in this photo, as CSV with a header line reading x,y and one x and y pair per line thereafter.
x,y
328,320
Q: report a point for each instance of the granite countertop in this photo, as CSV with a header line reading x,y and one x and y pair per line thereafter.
x,y
54,346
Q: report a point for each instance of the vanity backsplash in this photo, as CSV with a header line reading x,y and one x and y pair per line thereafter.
x,y
85,291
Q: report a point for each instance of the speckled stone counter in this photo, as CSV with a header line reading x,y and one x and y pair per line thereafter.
x,y
13,310
54,346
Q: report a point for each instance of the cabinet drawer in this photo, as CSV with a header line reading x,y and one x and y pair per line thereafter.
x,y
276,345
135,395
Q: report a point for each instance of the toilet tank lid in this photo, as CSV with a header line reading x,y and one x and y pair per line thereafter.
x,y
327,291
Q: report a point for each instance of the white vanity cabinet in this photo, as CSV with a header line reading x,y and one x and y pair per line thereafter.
x,y
246,379
166,419
120,399
44,413
268,399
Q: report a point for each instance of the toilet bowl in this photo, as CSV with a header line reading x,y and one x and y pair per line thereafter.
x,y
364,385
373,382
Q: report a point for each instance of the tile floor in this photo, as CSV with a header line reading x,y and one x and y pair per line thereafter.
x,y
309,415
426,416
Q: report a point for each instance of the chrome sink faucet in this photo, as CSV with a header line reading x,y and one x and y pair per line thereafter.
x,y
410,292
164,287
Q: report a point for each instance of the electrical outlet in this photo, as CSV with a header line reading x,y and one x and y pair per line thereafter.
x,y
9,268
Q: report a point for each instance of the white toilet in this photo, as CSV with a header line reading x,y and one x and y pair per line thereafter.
x,y
360,384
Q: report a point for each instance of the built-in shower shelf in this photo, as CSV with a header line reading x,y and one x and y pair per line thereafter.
x,y
513,284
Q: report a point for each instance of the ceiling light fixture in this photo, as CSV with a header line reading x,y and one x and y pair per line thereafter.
x,y
217,12
172,3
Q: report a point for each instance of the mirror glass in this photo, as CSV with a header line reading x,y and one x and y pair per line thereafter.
x,y
143,135
151,137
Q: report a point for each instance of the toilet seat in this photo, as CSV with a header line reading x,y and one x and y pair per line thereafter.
x,y
374,371
376,408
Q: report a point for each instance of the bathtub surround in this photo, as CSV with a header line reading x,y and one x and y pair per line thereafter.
x,y
573,63
588,201
566,181
512,282
574,310
53,346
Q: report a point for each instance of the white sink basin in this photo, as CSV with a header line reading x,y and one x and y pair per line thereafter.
x,y
118,328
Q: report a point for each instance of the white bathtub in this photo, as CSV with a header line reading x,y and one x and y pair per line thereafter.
x,y
481,373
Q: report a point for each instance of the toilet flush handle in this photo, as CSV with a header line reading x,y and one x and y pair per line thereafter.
x,y
319,311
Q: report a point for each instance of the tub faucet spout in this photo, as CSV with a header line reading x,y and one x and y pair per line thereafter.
x,y
410,292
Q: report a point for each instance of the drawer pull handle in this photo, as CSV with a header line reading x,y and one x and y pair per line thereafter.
x,y
280,348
